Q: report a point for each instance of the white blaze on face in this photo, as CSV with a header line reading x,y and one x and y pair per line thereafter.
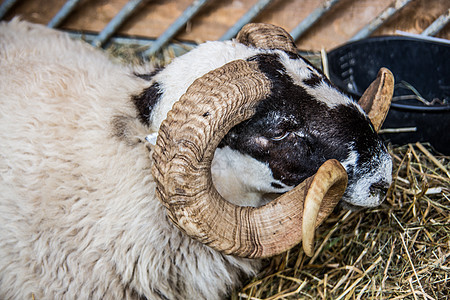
x,y
241,179
351,160
299,70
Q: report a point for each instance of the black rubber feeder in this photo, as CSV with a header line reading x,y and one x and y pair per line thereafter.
x,y
420,110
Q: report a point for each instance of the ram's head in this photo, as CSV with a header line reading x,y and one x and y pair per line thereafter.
x,y
199,121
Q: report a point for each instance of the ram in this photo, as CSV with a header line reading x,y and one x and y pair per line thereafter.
x,y
91,207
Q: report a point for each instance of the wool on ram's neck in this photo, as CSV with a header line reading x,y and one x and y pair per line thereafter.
x,y
231,173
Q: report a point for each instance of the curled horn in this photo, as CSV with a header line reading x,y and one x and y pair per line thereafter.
x,y
182,158
377,98
266,36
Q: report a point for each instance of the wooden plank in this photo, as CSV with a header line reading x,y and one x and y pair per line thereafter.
x,y
337,26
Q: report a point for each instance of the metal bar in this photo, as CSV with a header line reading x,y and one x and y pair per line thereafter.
x,y
175,26
5,7
246,18
312,18
62,14
116,22
437,25
178,48
379,20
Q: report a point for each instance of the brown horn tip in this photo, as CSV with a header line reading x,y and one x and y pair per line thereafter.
x,y
266,36
321,199
377,98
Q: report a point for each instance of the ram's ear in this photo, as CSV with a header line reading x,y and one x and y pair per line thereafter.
x,y
377,98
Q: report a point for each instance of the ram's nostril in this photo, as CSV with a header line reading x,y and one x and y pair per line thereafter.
x,y
379,188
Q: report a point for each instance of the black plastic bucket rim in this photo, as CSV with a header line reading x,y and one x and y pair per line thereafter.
x,y
384,38
420,108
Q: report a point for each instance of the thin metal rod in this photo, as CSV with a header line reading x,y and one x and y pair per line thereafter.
x,y
175,26
5,7
437,25
116,22
178,48
379,20
62,14
246,18
312,18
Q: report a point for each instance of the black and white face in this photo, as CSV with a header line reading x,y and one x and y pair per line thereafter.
x,y
304,122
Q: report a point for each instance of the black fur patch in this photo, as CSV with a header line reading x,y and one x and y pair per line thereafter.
x,y
150,75
146,101
276,185
292,55
313,81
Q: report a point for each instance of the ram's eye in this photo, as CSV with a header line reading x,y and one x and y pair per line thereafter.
x,y
281,137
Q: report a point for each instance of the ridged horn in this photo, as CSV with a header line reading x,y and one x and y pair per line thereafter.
x,y
377,98
182,158
315,200
266,36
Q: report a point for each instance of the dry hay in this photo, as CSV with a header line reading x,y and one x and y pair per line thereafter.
x,y
399,250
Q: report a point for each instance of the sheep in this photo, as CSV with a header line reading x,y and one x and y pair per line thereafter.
x,y
86,205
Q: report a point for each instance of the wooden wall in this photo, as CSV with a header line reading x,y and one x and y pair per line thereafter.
x,y
153,17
